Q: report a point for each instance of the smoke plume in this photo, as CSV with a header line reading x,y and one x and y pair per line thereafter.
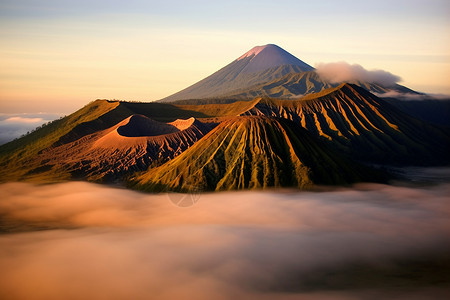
x,y
344,72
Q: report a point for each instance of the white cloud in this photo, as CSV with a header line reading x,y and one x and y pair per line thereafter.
x,y
402,96
411,96
344,72
14,125
23,120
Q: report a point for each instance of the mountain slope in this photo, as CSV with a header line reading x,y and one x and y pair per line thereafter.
x,y
253,152
132,145
296,85
21,156
365,127
430,110
260,64
22,150
221,109
269,71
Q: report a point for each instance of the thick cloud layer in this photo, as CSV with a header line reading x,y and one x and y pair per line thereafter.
x,y
344,72
14,125
84,241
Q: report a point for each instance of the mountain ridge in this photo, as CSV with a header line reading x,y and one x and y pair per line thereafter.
x,y
268,71
361,124
254,139
296,85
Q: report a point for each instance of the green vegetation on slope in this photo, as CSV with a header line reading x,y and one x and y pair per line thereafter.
x,y
18,157
15,155
220,109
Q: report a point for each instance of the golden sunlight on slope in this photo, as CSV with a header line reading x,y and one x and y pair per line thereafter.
x,y
355,121
253,152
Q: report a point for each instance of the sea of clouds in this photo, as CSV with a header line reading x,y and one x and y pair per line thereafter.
x,y
80,240
12,126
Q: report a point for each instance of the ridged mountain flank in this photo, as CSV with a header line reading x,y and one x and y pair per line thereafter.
x,y
361,125
253,152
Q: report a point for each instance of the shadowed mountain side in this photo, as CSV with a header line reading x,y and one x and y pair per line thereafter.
x,y
109,155
430,110
221,109
295,85
139,125
366,127
253,152
223,83
292,85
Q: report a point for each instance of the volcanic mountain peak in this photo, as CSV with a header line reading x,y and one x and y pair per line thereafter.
x,y
255,50
270,56
259,65
269,71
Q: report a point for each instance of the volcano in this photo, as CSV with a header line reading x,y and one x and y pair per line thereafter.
x,y
259,65
254,152
268,71
278,124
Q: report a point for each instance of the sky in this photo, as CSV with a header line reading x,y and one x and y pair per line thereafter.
x,y
56,56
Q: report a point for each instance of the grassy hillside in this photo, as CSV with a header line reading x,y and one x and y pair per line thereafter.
x,y
19,157
221,109
44,137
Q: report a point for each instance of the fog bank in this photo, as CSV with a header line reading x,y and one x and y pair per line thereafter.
x,y
14,125
84,241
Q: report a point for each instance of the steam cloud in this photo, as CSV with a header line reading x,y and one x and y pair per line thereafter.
x,y
344,72
108,243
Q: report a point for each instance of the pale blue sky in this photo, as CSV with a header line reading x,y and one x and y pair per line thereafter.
x,y
63,54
